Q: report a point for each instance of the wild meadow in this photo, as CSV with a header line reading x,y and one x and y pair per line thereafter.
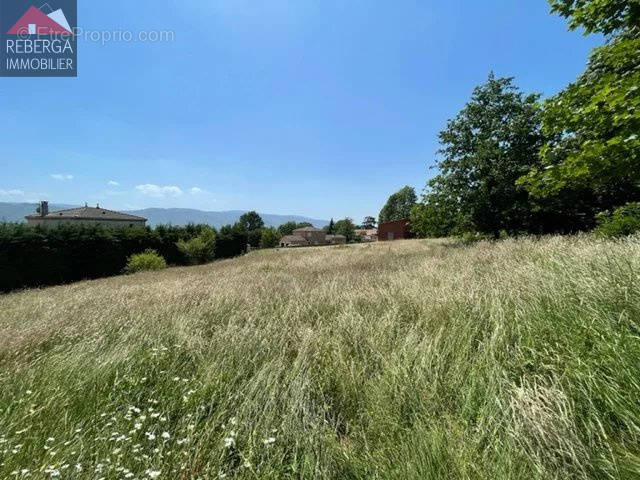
x,y
424,359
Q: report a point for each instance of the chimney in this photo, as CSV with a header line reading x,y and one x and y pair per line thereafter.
x,y
43,209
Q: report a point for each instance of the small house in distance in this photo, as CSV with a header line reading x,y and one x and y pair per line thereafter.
x,y
313,235
368,234
310,237
394,230
336,239
83,216
293,241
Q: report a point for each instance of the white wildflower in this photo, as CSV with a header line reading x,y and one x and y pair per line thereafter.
x,y
269,441
153,473
166,435
229,442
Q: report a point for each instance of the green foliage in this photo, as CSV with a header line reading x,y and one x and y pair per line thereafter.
x,y
347,228
331,228
591,158
35,256
605,16
469,238
399,205
431,219
251,221
491,143
593,129
200,249
269,238
623,221
148,260
370,222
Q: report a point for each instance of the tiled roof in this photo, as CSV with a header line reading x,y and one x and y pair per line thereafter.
x,y
293,239
87,213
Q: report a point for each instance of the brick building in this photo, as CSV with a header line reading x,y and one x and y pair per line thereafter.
x,y
395,230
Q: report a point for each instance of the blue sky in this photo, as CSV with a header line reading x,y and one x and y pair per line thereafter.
x,y
321,108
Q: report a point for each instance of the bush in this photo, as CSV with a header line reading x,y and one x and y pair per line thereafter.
x,y
149,260
622,222
470,238
200,249
269,238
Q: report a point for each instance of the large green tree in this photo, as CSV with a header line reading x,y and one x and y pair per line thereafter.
x,y
369,222
251,224
251,221
593,126
491,143
347,228
399,205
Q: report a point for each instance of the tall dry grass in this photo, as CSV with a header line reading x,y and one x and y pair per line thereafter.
x,y
415,359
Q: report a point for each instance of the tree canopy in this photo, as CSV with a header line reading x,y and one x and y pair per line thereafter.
x,y
251,221
491,143
592,127
369,222
399,205
347,228
510,163
604,16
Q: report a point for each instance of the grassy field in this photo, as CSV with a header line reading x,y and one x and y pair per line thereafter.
x,y
416,359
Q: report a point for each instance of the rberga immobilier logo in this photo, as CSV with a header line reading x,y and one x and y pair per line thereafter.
x,y
38,40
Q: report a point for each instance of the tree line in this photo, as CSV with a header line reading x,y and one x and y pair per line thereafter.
x,y
33,256
511,163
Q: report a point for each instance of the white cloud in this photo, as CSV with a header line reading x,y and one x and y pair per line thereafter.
x,y
113,183
11,193
159,190
196,191
61,176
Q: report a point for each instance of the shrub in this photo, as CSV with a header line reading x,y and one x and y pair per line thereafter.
x,y
469,238
622,222
269,238
148,260
200,249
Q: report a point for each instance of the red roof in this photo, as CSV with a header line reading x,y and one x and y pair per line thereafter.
x,y
44,25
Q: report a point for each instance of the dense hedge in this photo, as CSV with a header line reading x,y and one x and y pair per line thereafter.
x,y
35,256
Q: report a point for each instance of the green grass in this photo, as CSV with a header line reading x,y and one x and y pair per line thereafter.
x,y
416,359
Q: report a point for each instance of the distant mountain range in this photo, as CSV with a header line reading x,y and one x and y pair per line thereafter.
x,y
15,212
